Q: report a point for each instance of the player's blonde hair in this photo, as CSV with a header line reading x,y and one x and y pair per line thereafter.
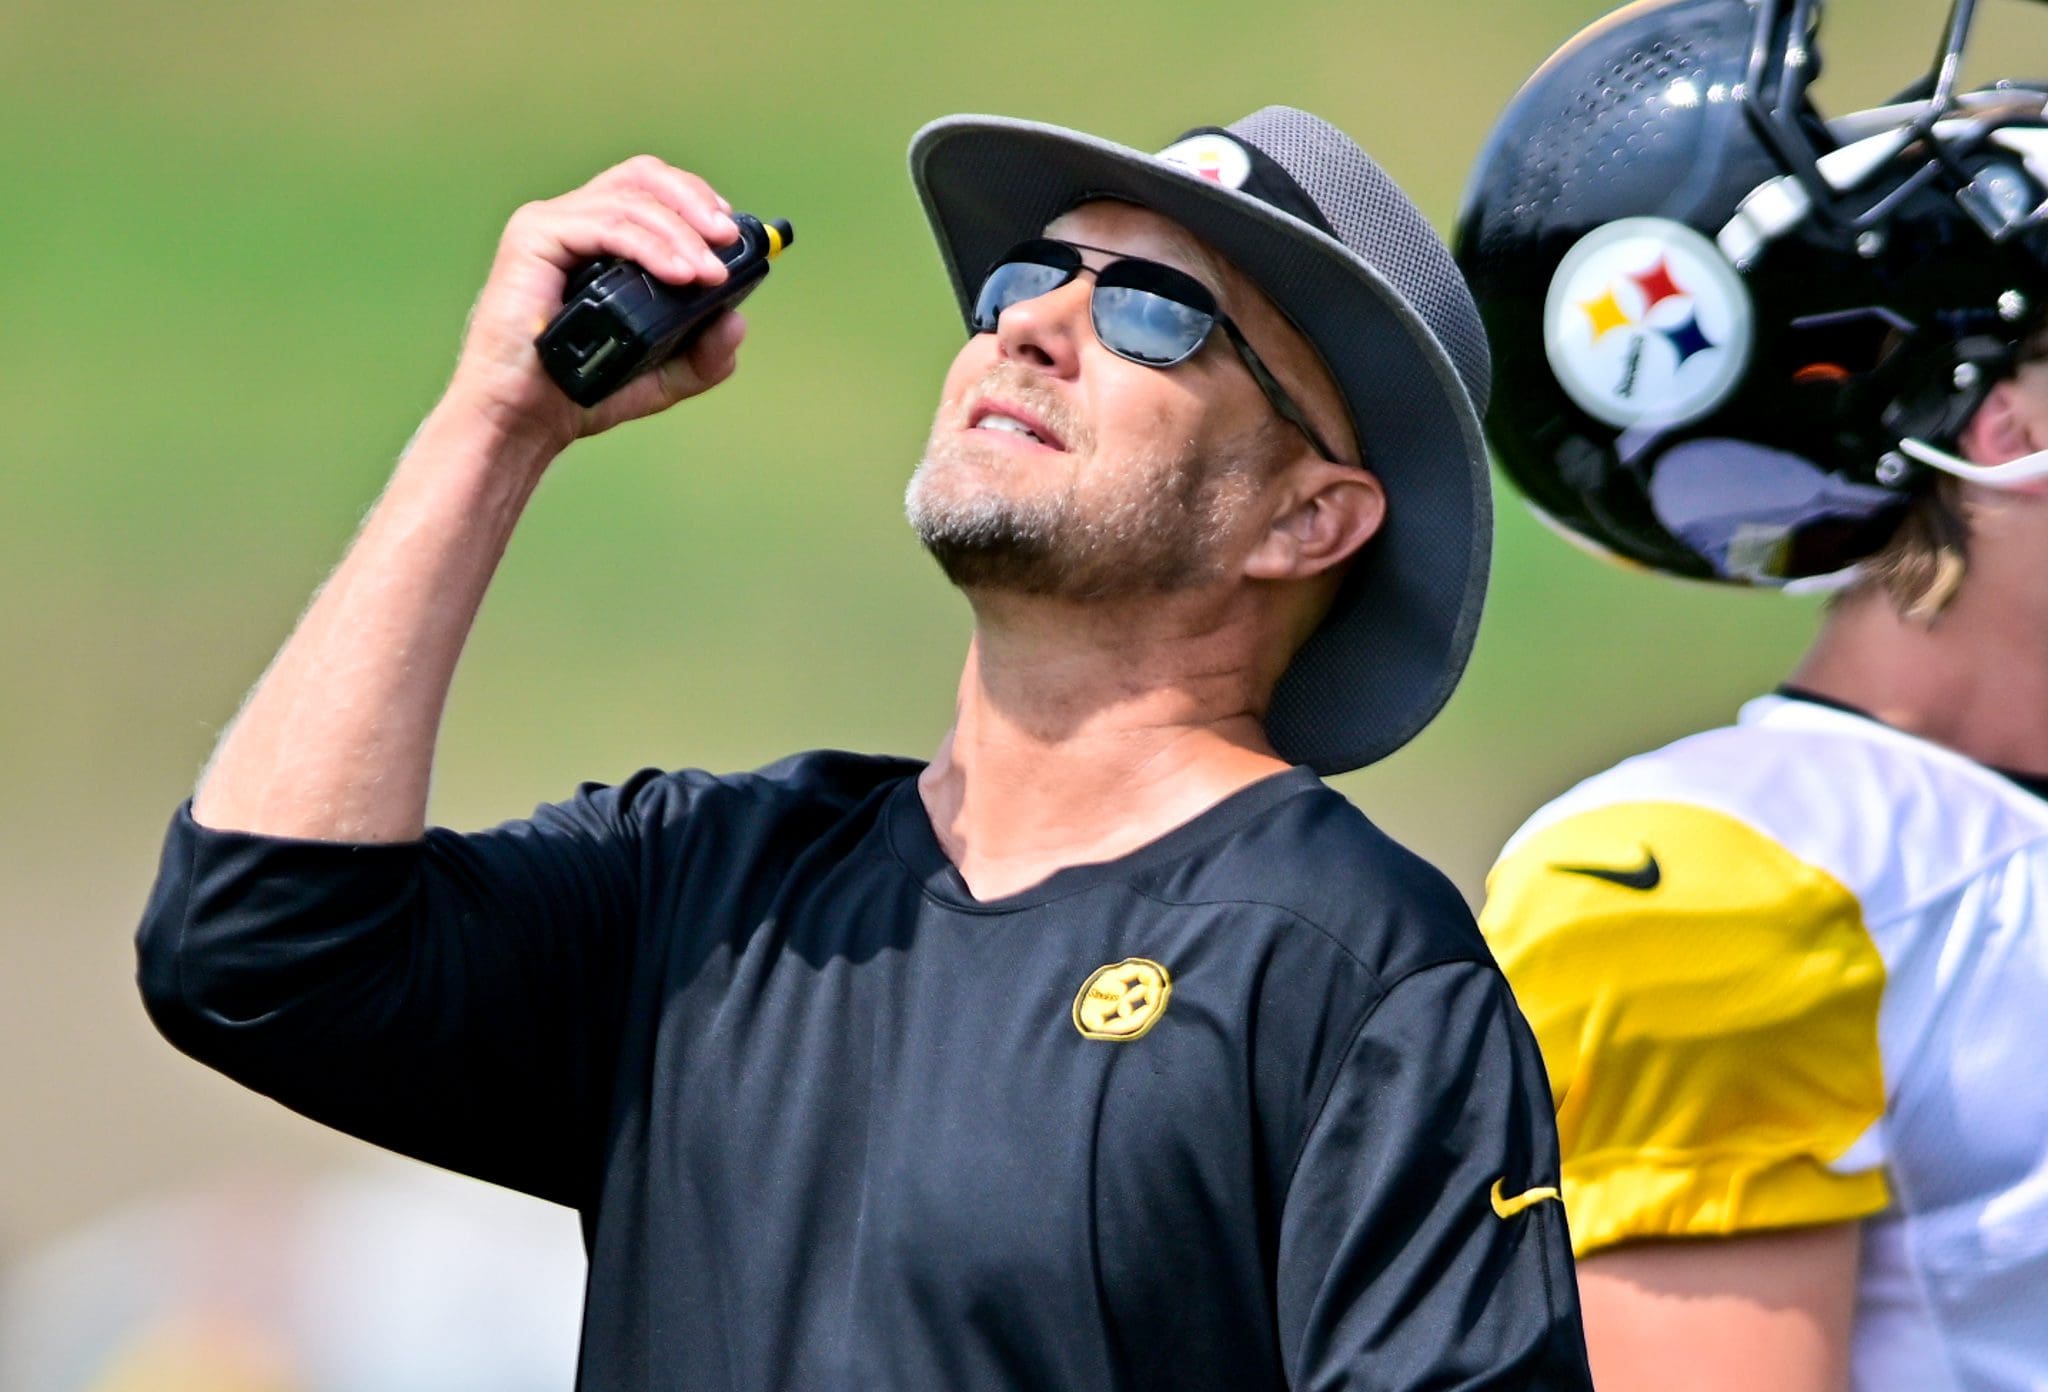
x,y
1923,565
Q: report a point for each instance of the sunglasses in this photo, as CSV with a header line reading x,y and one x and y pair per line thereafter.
x,y
1142,311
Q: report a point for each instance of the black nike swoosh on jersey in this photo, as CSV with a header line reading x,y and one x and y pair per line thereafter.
x,y
1644,876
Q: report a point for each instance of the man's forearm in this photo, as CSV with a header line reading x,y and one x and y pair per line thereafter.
x,y
336,743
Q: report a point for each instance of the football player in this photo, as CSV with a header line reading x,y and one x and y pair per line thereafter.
x,y
1789,977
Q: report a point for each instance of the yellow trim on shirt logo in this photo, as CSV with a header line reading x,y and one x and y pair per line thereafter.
x,y
1507,1208
1123,1000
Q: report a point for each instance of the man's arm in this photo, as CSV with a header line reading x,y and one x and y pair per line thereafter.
x,y
1422,1244
336,742
1768,1312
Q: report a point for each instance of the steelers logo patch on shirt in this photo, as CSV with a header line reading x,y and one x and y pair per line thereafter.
x,y
1646,323
1123,1000
1216,158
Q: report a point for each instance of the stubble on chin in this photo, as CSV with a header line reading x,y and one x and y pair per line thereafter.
x,y
965,514
1161,528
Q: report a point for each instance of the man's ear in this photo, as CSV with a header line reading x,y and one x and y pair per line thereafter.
x,y
1326,513
2004,428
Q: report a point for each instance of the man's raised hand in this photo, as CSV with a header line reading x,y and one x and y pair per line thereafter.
x,y
643,210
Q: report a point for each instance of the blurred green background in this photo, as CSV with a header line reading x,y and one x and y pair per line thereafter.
x,y
237,243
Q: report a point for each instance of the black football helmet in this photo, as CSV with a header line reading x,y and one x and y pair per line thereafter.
x,y
1731,337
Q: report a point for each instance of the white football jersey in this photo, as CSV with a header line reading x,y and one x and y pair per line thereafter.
x,y
1793,972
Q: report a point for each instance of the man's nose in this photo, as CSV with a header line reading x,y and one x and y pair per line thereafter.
x,y
1046,332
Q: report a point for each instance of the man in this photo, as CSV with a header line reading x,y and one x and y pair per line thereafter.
x,y
1789,977
1106,1050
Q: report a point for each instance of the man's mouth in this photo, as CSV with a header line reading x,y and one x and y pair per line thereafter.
x,y
1004,419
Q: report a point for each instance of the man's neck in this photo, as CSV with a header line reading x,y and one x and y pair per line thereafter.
x,y
1083,735
1975,680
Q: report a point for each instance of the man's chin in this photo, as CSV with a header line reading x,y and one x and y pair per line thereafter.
x,y
980,555
988,548
988,541
965,517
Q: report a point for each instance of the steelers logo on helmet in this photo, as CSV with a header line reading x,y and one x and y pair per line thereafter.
x,y
1217,158
1647,324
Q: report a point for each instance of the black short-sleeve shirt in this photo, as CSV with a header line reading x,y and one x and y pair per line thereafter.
x,y
1250,1107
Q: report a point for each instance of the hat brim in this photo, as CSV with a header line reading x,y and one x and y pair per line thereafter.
x,y
1391,650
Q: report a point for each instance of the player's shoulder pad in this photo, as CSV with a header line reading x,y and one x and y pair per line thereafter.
x,y
1892,817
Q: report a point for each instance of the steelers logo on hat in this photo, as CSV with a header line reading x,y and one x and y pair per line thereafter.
x,y
1217,158
1646,323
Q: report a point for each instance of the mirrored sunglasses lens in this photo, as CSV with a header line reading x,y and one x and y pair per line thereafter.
x,y
1013,282
1148,327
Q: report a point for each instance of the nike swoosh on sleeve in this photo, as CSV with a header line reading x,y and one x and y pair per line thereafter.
x,y
1505,1207
1646,876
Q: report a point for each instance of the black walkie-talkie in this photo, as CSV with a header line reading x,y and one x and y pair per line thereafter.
x,y
617,321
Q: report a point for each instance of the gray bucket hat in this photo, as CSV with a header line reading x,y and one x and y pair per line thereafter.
x,y
1295,205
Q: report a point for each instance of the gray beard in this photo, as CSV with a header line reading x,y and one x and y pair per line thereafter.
x,y
1163,535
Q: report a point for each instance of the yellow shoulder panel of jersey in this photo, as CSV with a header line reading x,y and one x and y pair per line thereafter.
x,y
1707,1007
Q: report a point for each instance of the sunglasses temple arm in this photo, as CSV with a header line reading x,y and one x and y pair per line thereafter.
x,y
1275,393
